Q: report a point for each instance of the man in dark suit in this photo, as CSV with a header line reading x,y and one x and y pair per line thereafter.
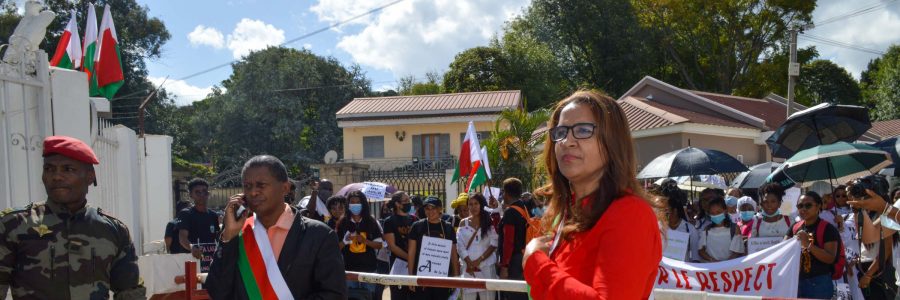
x,y
296,257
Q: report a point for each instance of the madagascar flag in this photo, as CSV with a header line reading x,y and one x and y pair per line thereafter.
x,y
90,49
108,64
257,265
68,50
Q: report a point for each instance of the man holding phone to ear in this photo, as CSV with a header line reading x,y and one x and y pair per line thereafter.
x,y
269,250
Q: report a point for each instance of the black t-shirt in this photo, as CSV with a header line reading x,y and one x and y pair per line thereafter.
x,y
422,228
512,217
201,226
818,267
172,233
399,226
359,258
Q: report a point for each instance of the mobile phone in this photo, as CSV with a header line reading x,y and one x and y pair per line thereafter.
x,y
240,210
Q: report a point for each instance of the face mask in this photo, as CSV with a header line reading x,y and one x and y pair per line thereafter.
x,y
407,207
747,215
412,211
355,208
537,211
717,219
731,201
777,213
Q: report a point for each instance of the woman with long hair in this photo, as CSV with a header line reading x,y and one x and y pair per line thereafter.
x,y
605,240
360,238
396,234
477,242
677,218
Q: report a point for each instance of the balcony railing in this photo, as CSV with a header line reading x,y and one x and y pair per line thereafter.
x,y
407,163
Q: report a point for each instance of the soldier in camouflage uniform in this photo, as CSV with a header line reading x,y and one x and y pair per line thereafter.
x,y
63,248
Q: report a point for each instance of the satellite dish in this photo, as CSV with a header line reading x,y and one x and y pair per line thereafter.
x,y
331,157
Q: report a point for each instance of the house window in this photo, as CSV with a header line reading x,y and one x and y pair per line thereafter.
x,y
373,147
482,135
431,146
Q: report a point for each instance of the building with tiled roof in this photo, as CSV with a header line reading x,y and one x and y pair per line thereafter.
x,y
664,118
885,129
389,132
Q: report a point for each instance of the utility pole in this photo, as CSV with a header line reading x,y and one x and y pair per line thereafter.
x,y
793,69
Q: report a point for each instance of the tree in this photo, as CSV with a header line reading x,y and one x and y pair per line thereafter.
x,y
477,69
823,81
598,43
278,101
882,85
408,85
770,75
140,37
512,143
712,45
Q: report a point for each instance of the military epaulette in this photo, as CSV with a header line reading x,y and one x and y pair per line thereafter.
x,y
10,210
103,213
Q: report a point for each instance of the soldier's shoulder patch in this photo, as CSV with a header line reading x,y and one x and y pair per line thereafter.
x,y
11,210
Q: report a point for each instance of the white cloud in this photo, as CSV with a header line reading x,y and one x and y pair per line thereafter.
x,y
208,36
182,92
416,36
871,30
333,11
249,35
307,46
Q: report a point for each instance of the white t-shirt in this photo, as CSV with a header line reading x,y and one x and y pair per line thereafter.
x,y
719,243
693,240
778,228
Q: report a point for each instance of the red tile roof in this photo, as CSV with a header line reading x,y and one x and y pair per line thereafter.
x,y
772,112
886,129
665,115
459,103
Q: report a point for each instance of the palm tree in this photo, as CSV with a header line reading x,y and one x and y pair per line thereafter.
x,y
512,145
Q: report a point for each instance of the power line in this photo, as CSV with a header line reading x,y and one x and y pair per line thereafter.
x,y
865,10
839,44
302,37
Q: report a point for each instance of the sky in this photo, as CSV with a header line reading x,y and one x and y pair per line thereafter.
x,y
411,37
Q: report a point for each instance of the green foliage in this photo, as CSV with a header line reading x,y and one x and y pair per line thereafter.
x,y
477,69
197,170
410,86
882,85
823,81
267,109
512,145
712,45
770,75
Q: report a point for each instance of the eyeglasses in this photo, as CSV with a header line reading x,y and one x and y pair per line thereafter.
x,y
202,193
805,205
579,131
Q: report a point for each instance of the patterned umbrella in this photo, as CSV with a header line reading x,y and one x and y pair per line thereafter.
x,y
841,162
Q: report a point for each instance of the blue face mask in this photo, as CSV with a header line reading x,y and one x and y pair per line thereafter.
x,y
537,211
355,208
412,211
746,215
731,201
717,219
777,213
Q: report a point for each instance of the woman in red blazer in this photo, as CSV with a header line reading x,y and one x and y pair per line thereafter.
x,y
604,240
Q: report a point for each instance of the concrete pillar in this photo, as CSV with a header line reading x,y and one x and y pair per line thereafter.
x,y
155,153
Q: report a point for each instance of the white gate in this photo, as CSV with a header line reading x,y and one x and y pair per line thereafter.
x,y
105,145
24,107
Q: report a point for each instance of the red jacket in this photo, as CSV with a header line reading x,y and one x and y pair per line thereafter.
x,y
617,259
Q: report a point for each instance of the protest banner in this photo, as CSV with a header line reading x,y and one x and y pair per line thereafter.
x,y
769,273
434,259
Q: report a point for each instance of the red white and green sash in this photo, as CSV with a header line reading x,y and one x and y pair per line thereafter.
x,y
257,264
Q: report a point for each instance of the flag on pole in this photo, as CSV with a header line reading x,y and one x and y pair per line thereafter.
x,y
107,63
470,146
478,175
90,49
487,164
68,51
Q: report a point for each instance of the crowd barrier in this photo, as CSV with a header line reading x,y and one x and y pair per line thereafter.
x,y
191,291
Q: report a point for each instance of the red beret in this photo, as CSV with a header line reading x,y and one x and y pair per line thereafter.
x,y
70,147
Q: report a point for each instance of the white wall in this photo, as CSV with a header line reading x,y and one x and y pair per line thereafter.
x,y
156,192
71,106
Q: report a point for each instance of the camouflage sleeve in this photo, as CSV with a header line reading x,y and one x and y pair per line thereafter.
x,y
7,260
124,275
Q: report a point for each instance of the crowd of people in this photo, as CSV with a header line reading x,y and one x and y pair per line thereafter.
x,y
840,246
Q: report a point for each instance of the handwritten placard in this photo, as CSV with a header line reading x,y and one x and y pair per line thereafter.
x,y
676,245
374,190
434,259
491,192
207,250
757,244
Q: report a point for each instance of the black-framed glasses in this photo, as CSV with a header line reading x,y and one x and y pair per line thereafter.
x,y
579,131
806,205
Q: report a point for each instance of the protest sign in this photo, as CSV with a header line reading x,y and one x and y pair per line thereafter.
x,y
676,244
374,190
434,259
769,273
757,244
